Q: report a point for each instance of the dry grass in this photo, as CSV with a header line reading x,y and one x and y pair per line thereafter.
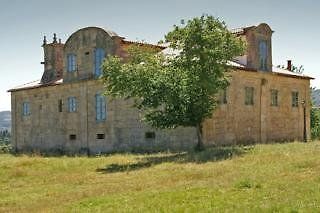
x,y
267,178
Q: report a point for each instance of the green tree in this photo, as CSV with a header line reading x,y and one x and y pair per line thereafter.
x,y
177,89
314,117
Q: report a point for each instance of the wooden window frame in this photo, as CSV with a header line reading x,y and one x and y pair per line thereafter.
x,y
249,96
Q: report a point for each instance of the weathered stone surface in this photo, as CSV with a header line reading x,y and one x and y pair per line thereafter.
x,y
48,129
236,122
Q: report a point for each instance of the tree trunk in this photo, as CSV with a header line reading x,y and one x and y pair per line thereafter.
x,y
200,145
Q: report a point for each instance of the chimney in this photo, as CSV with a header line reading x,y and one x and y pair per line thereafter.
x,y
53,60
289,65
44,41
54,38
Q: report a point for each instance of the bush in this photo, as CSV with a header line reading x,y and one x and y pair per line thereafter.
x,y
315,123
5,148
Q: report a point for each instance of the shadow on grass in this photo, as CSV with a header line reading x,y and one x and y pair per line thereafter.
x,y
209,155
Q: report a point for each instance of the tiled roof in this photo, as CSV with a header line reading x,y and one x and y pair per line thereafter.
x,y
275,70
112,34
143,43
287,72
240,30
35,84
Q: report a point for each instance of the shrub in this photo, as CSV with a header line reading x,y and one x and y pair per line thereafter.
x,y
5,148
315,123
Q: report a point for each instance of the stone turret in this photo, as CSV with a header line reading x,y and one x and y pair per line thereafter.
x,y
53,60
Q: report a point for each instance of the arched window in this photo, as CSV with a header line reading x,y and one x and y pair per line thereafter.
x,y
99,55
263,52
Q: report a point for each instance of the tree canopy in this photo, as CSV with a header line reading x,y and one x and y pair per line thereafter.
x,y
177,89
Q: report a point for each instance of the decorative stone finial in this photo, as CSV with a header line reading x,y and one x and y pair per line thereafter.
x,y
54,38
44,40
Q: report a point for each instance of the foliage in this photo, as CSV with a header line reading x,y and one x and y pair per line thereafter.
x,y
178,89
315,94
4,137
296,69
315,123
186,182
314,114
5,148
299,69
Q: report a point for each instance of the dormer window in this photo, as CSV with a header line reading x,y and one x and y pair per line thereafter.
x,y
263,52
99,55
71,62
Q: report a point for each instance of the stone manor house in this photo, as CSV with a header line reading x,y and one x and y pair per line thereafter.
x,y
66,110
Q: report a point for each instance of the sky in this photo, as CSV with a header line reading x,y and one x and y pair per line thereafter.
x,y
24,23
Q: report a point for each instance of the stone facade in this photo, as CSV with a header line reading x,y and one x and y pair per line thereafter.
x,y
42,119
235,122
46,128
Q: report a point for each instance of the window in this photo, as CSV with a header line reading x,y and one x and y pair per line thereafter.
x,y
274,97
60,105
295,98
100,107
71,62
222,97
72,137
72,104
150,135
249,91
26,109
99,55
100,136
263,50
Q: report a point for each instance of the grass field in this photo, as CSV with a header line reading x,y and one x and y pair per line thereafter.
x,y
267,178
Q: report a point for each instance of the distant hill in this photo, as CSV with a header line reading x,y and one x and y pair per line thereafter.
x,y
316,97
5,120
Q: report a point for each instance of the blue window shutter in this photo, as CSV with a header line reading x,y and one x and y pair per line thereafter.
x,y
71,62
75,104
72,104
26,108
263,54
98,59
23,108
69,108
100,107
74,62
97,107
103,107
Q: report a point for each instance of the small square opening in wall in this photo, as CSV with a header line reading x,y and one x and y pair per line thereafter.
x,y
72,137
150,135
100,136
87,53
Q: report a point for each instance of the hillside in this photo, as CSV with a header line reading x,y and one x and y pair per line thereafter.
x,y
5,120
261,178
